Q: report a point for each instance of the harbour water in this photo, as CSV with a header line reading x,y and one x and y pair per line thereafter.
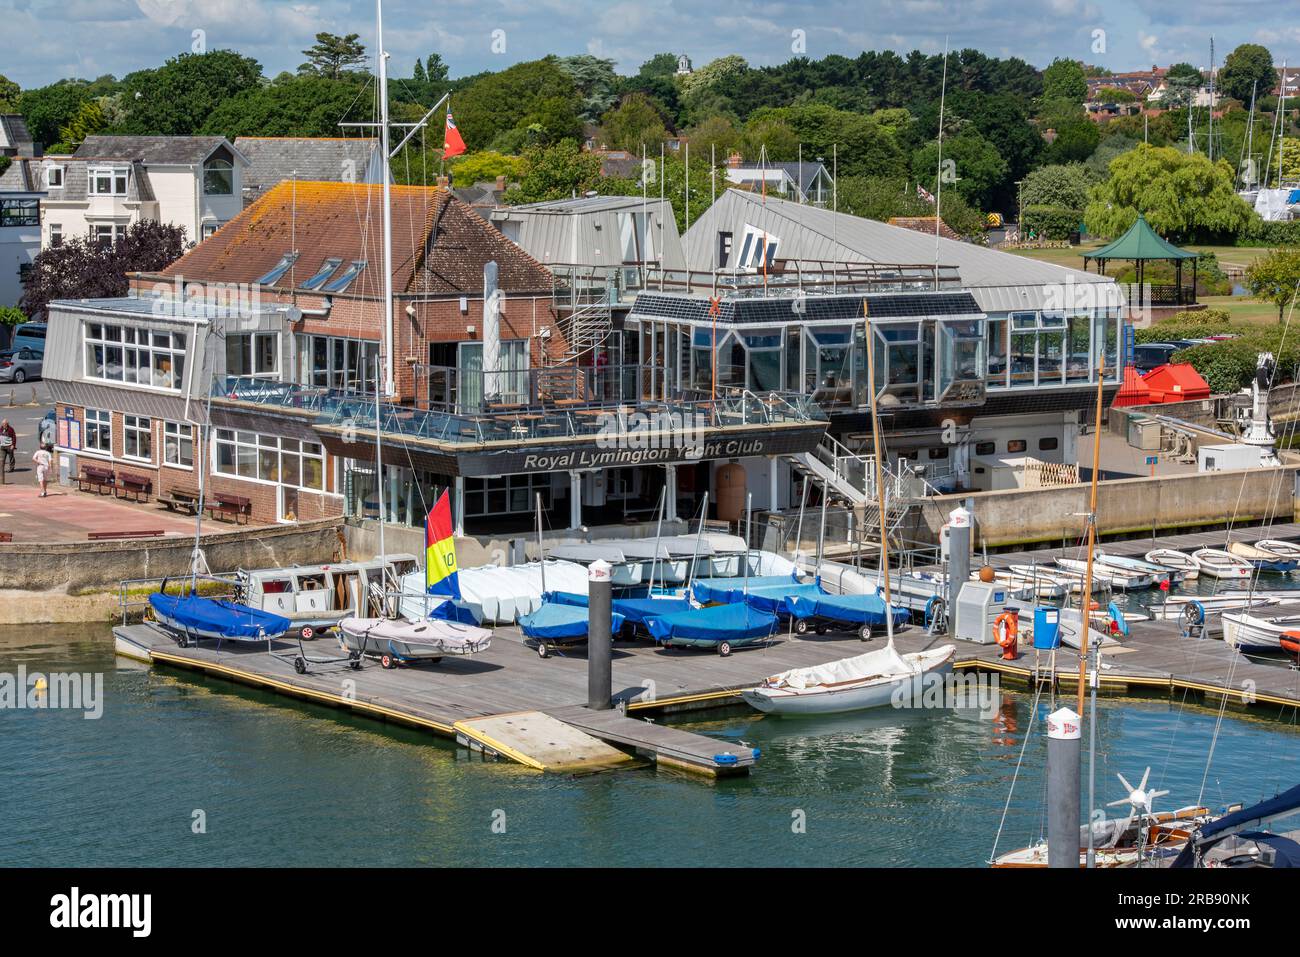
x,y
274,782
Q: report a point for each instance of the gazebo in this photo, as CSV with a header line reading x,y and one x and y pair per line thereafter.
x,y
1141,244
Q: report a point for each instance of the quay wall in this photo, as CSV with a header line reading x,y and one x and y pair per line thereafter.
x,y
80,568
1020,517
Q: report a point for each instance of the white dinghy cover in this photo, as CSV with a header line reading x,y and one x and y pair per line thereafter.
x,y
883,663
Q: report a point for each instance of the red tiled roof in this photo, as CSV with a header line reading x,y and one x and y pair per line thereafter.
x,y
439,244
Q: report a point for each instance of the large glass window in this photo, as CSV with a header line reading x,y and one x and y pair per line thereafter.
x,y
178,444
341,364
218,177
506,494
270,458
99,431
108,181
253,354
137,438
20,212
135,355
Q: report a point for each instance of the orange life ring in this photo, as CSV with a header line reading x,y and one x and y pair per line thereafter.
x,y
1006,628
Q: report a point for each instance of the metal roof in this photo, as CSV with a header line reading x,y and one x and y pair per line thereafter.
x,y
1141,242
1000,282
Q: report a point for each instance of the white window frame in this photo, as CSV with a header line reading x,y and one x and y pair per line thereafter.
x,y
114,174
116,232
180,433
136,425
149,349
100,417
53,171
235,441
56,234
252,339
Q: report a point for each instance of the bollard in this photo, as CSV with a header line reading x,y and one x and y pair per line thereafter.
x,y
959,520
1063,743
599,640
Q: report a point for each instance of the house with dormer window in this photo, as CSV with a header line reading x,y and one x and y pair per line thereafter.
x,y
111,182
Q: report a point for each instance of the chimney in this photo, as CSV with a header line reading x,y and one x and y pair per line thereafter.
x,y
501,184
734,160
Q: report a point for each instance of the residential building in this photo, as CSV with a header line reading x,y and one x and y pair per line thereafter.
x,y
324,159
804,182
21,191
112,182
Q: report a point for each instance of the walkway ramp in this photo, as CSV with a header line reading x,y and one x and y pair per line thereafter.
x,y
667,745
539,741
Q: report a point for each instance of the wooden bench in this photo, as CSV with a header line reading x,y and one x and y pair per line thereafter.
x,y
230,507
129,533
178,499
138,486
96,477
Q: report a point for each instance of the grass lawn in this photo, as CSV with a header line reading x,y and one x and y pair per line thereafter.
x,y
1073,257
1244,309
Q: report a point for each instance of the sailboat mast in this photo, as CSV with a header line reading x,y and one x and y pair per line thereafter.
x,y
880,485
386,348
1085,600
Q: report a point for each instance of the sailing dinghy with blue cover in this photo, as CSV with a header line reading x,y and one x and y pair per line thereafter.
x,y
192,618
724,591
822,612
632,612
720,627
557,623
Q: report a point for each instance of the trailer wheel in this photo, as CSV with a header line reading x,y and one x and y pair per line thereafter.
x,y
300,665
387,661
864,633
354,662
543,650
724,648
821,629
434,661
801,626
307,633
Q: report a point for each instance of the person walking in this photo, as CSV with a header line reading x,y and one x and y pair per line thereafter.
x,y
8,445
43,459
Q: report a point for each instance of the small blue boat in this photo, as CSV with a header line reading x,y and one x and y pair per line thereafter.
x,y
723,591
634,611
557,623
822,611
193,617
721,627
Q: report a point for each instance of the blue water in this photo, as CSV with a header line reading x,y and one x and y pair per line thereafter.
x,y
281,783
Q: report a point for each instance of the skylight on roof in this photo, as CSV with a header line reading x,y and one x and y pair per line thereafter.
x,y
345,278
326,270
279,269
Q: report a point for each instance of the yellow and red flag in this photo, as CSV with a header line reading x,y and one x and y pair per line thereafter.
x,y
440,551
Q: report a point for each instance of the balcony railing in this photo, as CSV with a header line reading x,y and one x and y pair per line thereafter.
x,y
356,412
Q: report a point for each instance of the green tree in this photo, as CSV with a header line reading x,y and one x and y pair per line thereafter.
x,y
595,81
1064,79
434,69
880,197
661,64
12,315
634,123
864,147
1184,197
331,55
50,108
1065,185
290,106
555,172
1076,139
971,166
485,166
88,121
179,97
526,104
9,92
1275,278
772,133
715,136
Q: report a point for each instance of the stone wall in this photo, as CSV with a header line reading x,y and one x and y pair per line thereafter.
x,y
1124,507
81,567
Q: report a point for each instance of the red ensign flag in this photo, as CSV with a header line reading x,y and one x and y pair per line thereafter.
x,y
452,144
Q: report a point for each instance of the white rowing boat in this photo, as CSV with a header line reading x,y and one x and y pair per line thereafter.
x,y
1220,564
1178,561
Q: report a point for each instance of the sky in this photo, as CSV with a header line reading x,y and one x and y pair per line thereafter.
x,y
88,38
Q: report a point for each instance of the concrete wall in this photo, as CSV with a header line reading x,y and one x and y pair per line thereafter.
x,y
76,568
1125,506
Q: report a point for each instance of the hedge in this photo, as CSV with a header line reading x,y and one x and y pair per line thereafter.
x,y
1050,222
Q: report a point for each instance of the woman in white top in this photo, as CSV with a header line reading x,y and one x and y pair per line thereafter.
x,y
43,460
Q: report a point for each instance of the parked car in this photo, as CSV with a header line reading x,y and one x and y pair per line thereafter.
x,y
30,335
1152,355
19,365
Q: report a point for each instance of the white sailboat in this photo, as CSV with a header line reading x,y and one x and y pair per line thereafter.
x,y
861,681
397,639
1175,560
1217,563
